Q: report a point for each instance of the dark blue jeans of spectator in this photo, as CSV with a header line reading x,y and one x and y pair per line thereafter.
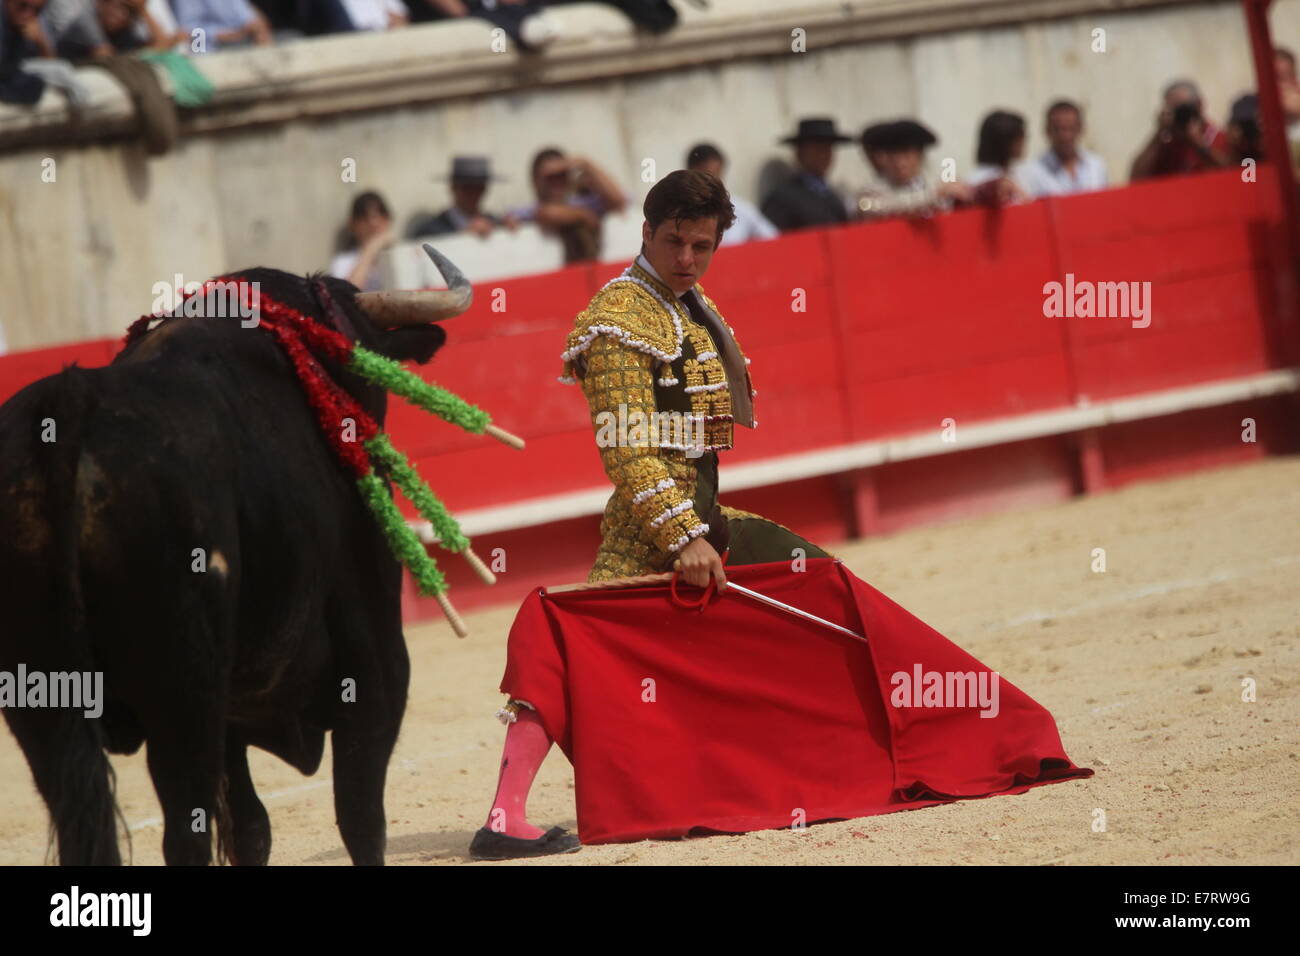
x,y
507,16
309,17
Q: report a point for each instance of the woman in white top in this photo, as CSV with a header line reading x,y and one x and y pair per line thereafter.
x,y
998,178
370,227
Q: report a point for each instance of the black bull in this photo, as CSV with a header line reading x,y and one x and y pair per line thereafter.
x,y
198,436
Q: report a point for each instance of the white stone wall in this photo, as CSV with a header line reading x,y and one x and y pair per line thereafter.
x,y
79,257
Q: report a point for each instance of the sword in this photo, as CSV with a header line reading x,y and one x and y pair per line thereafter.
x,y
650,580
790,609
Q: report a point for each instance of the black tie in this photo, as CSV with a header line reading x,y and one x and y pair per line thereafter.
x,y
741,404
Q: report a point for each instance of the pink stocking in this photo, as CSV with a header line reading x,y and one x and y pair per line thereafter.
x,y
526,747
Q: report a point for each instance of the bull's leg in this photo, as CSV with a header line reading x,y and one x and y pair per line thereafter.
x,y
251,838
186,782
365,731
362,746
184,715
186,760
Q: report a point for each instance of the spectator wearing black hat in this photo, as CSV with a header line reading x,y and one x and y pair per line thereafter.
x,y
806,199
1066,167
469,179
749,224
896,151
999,176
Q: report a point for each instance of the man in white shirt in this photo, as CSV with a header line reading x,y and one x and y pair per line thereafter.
x,y
750,223
1066,167
377,14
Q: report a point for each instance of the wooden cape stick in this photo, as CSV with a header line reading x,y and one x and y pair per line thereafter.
x,y
648,580
636,581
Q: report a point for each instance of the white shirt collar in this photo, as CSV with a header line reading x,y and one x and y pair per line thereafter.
x,y
1053,161
644,263
917,184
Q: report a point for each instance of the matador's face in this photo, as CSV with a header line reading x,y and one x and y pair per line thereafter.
x,y
681,250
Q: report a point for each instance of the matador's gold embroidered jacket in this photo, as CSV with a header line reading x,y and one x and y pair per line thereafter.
x,y
637,349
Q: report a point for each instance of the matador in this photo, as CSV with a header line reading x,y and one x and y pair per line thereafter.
x,y
666,383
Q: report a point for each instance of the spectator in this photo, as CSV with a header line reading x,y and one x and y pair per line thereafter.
x,y
135,25
1245,140
522,20
370,229
291,19
749,223
67,29
896,151
654,16
1184,140
21,33
1066,167
162,23
223,23
805,198
998,177
377,15
1289,89
120,22
573,197
470,176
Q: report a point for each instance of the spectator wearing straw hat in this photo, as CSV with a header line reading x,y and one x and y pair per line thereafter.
x,y
469,179
806,198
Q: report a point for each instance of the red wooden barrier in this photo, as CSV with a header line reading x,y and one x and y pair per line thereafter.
x,y
868,331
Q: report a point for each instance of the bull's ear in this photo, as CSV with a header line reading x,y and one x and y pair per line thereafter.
x,y
412,343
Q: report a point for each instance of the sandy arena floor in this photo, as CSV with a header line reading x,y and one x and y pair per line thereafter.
x,y
1142,666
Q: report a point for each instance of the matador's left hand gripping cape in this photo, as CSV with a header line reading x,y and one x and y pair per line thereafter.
x,y
639,353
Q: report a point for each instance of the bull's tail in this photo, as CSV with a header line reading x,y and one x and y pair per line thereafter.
x,y
64,747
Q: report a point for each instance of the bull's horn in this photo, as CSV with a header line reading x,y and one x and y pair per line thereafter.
x,y
387,309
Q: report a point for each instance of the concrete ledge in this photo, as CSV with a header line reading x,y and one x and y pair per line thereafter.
x,y
841,458
431,62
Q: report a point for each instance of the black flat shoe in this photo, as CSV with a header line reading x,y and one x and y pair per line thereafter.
x,y
489,845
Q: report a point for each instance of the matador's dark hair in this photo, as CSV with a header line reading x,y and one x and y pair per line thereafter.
x,y
689,194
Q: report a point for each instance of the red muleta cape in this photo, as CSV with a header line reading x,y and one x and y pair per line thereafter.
x,y
739,716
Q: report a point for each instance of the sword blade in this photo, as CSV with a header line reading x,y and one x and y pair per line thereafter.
x,y
790,609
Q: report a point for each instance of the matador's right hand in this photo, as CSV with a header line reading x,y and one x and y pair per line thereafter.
x,y
699,561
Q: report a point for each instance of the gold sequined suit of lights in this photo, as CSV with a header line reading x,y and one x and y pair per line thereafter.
x,y
635,349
